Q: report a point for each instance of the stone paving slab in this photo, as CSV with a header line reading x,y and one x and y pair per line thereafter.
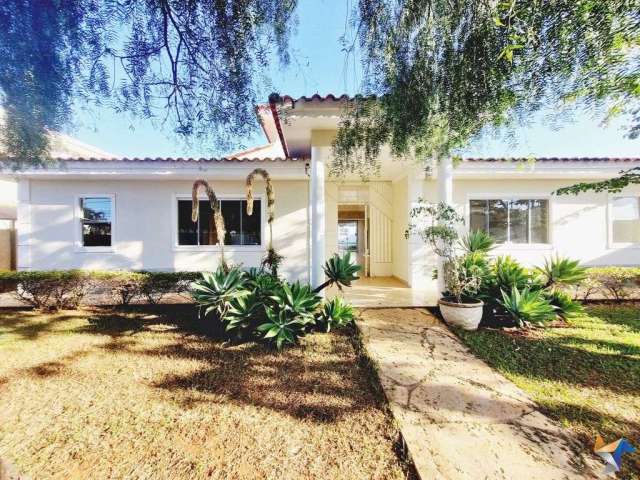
x,y
459,418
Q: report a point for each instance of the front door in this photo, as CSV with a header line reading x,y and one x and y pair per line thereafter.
x,y
350,240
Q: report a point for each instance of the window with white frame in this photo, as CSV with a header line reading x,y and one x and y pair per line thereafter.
x,y
625,219
96,221
242,229
512,220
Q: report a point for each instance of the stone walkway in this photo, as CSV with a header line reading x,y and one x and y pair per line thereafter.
x,y
459,418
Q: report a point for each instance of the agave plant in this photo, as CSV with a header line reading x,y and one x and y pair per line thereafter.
x,y
298,299
336,313
218,219
508,274
339,271
561,272
477,241
528,306
290,313
215,291
244,311
566,307
281,327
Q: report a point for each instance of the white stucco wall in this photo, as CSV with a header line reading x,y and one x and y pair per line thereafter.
x,y
578,225
8,192
145,226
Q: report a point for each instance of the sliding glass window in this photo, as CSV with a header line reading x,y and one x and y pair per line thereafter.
x,y
511,220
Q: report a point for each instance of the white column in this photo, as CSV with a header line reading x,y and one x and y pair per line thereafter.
x,y
445,181
23,226
417,261
317,216
445,195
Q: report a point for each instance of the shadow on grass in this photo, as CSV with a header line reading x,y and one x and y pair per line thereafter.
x,y
319,380
617,348
30,324
594,422
557,359
132,319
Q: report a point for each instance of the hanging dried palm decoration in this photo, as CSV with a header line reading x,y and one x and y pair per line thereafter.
x,y
217,219
271,200
272,259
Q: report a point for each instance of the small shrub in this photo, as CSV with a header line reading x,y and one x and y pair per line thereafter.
x,y
335,314
617,283
464,276
155,286
528,306
587,287
52,290
8,281
122,286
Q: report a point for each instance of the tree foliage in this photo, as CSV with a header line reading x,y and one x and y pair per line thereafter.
x,y
443,70
611,185
191,65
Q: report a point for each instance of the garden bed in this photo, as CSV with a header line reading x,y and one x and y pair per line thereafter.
x,y
141,393
584,373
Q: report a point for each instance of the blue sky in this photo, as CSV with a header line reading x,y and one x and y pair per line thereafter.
x,y
318,66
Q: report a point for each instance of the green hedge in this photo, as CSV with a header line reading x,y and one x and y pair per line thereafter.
x,y
614,283
54,289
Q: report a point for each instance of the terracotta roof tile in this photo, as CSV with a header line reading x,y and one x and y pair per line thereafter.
x,y
181,160
317,97
552,159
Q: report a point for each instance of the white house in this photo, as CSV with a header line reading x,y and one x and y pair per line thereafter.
x,y
121,213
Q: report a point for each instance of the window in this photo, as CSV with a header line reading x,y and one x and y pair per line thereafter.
x,y
96,216
242,229
511,220
625,220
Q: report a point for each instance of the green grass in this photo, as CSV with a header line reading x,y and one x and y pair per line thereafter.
x,y
586,375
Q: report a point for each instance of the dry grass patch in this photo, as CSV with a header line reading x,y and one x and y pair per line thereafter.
x,y
98,394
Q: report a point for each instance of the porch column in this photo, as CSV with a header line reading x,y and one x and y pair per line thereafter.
x,y
445,195
317,216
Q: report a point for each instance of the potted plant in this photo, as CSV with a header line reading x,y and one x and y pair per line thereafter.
x,y
463,272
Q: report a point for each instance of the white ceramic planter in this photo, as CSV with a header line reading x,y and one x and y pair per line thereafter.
x,y
463,315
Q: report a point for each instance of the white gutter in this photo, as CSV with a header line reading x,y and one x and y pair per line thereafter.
x,y
492,170
159,171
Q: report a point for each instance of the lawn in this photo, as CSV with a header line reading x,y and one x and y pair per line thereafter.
x,y
142,394
585,374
